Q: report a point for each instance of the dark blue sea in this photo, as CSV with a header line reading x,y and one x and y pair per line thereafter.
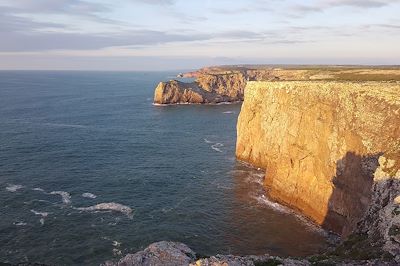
x,y
72,140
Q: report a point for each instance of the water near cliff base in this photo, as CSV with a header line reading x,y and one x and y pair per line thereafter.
x,y
91,170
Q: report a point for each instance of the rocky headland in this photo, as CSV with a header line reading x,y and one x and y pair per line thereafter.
x,y
207,89
223,84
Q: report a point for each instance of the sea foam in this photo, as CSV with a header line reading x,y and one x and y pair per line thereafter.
x,y
89,195
65,196
262,199
208,141
13,188
110,206
43,214
217,146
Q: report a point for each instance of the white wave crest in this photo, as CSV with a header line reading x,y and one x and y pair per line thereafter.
x,y
43,214
89,195
111,206
116,243
20,223
66,197
38,189
257,178
217,146
262,199
208,141
63,125
13,188
229,112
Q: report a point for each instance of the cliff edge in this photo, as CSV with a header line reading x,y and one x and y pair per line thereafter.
x,y
331,150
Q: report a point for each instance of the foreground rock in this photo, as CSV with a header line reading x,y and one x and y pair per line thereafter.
x,y
176,254
160,253
332,151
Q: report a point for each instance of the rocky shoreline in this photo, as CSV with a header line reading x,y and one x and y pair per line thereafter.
x,y
174,254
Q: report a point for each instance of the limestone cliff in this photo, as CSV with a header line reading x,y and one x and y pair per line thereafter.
x,y
330,149
227,83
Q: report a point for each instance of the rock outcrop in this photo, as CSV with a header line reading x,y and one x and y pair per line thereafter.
x,y
208,88
160,253
330,149
177,254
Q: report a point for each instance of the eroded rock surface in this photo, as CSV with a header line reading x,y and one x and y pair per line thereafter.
x,y
160,253
178,254
330,149
208,88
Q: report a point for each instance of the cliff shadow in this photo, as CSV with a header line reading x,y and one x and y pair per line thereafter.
x,y
352,192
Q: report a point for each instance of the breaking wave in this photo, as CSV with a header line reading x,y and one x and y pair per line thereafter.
x,y
262,199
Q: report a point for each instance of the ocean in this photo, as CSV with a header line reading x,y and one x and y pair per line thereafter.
x,y
90,170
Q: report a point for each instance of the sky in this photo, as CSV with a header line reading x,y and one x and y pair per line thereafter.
x,y
188,34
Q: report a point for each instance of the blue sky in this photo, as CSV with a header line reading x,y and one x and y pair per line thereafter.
x,y
186,34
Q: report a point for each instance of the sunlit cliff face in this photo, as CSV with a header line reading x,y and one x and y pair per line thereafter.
x,y
323,144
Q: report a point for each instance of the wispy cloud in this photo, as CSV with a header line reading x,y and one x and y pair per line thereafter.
x,y
223,28
319,6
13,42
53,6
155,2
239,10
